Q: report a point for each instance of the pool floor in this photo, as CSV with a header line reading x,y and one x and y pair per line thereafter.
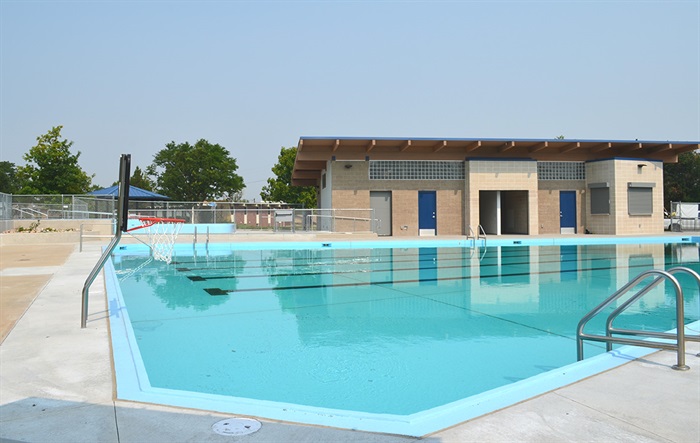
x,y
403,340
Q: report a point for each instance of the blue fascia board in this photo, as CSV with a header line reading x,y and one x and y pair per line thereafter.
x,y
497,139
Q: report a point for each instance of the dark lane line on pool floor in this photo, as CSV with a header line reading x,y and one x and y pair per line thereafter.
x,y
348,261
199,278
220,291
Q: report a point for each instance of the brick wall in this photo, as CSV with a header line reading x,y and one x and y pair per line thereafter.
x,y
548,208
618,173
404,215
502,176
450,209
404,197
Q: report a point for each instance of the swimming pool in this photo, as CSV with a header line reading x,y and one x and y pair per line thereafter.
x,y
393,337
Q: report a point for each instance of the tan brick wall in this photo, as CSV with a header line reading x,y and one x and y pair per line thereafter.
x,y
450,210
619,173
349,199
600,172
548,192
404,197
354,177
627,171
502,176
404,207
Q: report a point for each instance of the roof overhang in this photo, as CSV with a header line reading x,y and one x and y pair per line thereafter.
x,y
313,153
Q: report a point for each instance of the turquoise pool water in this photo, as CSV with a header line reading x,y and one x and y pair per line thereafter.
x,y
377,330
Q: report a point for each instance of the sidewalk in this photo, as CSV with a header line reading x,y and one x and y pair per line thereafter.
x,y
56,384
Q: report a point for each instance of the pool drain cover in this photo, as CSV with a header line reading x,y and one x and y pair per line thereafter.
x,y
236,426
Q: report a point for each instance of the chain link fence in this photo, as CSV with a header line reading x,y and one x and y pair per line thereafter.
x,y
5,212
684,216
270,217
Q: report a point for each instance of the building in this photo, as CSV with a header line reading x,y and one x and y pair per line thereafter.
x,y
431,186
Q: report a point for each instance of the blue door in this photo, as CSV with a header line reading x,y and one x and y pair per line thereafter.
x,y
567,212
426,210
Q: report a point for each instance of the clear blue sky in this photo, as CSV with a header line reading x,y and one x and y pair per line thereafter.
x,y
131,76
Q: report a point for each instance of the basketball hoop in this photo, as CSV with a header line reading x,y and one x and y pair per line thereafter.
x,y
162,233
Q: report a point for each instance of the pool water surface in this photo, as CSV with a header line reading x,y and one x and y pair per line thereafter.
x,y
385,331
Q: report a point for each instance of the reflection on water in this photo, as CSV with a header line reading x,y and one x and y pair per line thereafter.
x,y
350,329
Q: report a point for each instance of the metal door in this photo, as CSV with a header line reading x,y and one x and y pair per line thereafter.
x,y
427,221
567,212
380,202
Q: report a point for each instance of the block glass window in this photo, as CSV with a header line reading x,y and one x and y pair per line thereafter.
x,y
561,171
415,170
600,200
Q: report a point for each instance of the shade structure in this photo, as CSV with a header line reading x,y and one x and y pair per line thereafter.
x,y
134,194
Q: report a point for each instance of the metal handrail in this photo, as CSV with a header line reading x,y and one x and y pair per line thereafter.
x,y
31,212
472,236
679,337
481,231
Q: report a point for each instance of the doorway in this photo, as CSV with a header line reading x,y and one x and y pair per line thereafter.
x,y
380,202
427,207
567,212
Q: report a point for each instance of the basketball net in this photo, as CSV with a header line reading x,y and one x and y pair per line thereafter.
x,y
161,233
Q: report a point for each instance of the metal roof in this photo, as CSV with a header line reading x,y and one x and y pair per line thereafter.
x,y
134,193
313,151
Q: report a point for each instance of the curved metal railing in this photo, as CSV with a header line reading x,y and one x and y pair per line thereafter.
x,y
679,336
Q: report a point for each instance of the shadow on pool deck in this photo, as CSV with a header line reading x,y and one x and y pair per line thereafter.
x,y
57,384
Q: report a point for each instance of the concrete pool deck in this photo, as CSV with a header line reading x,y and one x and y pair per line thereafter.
x,y
57,382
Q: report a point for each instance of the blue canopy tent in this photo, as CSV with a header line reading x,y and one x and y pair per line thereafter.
x,y
134,194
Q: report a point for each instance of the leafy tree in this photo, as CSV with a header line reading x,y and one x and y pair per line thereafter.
x,y
8,183
201,172
141,180
682,179
51,168
281,189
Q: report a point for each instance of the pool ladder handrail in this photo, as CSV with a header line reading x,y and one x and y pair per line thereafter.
x,y
470,235
480,234
679,336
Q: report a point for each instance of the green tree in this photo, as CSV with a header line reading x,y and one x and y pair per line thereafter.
x,y
280,188
141,180
8,181
198,172
51,168
682,179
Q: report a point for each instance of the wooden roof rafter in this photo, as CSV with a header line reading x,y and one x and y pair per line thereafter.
x,y
371,145
538,147
507,146
601,147
569,147
314,153
473,146
633,147
661,148
306,174
439,146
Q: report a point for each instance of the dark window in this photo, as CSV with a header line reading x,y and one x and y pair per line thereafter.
x,y
639,199
600,200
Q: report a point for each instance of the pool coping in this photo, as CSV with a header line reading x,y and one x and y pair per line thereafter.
x,y
132,380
